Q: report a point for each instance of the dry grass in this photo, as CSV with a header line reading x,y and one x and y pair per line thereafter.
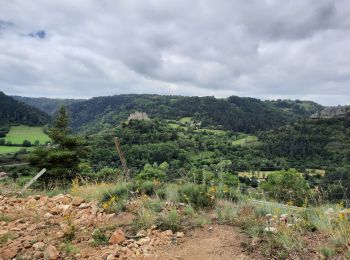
x,y
90,191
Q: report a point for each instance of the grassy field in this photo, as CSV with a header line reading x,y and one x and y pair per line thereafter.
x,y
246,141
12,149
259,175
20,133
213,131
185,120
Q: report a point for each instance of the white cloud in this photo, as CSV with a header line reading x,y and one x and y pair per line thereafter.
x,y
265,49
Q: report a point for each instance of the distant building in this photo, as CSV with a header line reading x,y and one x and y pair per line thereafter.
x,y
332,112
138,116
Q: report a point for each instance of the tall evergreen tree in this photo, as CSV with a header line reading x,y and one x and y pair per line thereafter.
x,y
62,157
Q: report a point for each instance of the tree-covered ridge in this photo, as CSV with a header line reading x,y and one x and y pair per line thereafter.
x,y
234,113
47,105
319,142
15,112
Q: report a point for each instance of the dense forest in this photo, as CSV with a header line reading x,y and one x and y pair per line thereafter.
x,y
47,105
15,112
234,113
323,142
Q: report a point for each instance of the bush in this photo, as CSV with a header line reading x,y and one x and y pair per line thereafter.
x,y
26,143
196,195
146,187
171,220
153,172
287,187
145,219
99,238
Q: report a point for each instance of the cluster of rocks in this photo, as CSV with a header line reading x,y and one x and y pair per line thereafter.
x,y
284,220
39,227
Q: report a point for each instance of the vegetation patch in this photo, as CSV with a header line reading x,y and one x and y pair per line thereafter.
x,y
35,135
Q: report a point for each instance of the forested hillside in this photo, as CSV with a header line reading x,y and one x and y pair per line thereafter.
x,y
318,142
15,112
234,113
47,105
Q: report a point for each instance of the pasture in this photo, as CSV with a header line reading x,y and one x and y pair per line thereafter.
x,y
18,134
12,149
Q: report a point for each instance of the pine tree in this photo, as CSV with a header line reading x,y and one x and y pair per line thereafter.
x,y
63,157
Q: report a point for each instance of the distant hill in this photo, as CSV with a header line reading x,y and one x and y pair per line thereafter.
x,y
333,112
297,108
15,112
320,142
234,113
47,105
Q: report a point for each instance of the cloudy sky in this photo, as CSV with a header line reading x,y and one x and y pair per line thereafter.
x,y
260,48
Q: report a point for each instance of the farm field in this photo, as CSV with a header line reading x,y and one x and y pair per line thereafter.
x,y
12,149
18,134
213,131
246,141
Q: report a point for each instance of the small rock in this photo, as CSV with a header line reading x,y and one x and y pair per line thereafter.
x,y
117,237
4,232
10,252
271,229
55,210
84,206
51,253
180,234
141,233
110,257
48,215
39,246
77,201
168,233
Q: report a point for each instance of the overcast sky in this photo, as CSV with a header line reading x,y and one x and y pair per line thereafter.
x,y
260,48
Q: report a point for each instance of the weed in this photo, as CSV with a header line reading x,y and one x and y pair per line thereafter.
x,y
227,213
327,252
171,220
68,248
189,211
145,219
6,237
99,238
196,195
200,220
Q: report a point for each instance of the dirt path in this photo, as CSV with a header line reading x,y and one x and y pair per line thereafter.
x,y
221,243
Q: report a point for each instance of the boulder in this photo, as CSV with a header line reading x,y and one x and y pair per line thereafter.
x,y
77,201
39,246
117,237
51,253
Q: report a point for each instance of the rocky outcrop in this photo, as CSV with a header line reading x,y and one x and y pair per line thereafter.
x,y
63,227
333,112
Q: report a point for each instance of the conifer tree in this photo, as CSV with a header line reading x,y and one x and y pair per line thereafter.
x,y
62,157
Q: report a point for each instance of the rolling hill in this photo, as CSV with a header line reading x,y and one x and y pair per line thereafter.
x,y
234,113
16,112
47,105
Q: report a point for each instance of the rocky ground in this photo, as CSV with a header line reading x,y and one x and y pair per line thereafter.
x,y
66,227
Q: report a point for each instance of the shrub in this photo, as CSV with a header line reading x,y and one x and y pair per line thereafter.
x,y
99,238
154,205
327,252
26,143
145,219
146,187
196,195
171,220
152,172
227,213
287,187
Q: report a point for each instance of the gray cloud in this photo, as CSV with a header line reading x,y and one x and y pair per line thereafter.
x,y
265,49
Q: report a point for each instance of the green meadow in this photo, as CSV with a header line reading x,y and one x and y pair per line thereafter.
x,y
12,149
18,134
